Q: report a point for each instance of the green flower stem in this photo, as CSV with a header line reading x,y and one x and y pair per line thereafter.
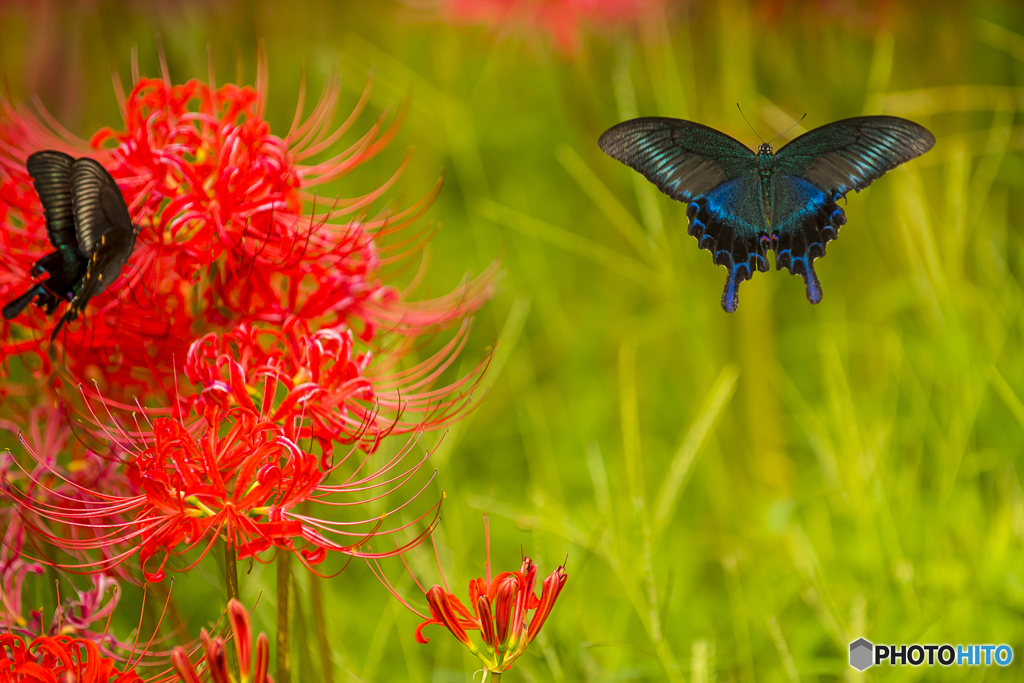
x,y
320,626
495,676
231,570
231,578
284,572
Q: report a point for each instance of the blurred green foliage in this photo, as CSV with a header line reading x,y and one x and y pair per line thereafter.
x,y
739,496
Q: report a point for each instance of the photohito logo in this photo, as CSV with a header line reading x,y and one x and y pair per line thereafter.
x,y
864,654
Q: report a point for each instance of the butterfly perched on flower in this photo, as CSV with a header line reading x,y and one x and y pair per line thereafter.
x,y
741,204
88,224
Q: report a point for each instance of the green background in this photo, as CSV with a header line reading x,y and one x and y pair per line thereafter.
x,y
738,496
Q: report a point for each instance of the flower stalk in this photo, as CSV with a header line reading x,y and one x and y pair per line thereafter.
x,y
320,626
284,573
231,581
231,570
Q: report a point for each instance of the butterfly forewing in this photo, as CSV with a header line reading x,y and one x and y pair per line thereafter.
x,y
51,175
98,203
850,154
684,159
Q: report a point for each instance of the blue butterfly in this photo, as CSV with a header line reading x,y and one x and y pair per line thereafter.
x,y
741,204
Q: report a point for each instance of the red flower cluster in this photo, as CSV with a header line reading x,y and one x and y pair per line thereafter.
x,y
318,385
53,659
563,20
247,331
235,477
223,240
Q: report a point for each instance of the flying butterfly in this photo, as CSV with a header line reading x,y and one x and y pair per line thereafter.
x,y
89,227
741,204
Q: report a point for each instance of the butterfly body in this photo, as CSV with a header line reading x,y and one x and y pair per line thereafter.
x,y
741,204
88,224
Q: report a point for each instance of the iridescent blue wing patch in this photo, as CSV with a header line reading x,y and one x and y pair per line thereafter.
x,y
727,221
816,169
804,219
715,175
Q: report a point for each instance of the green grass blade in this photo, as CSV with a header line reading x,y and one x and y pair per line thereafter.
x,y
682,464
510,334
568,241
605,200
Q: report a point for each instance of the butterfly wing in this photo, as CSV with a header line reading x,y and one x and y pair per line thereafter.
x,y
98,204
104,229
51,174
714,175
816,169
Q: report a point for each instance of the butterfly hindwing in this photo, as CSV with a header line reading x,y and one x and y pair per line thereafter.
x,y
727,222
714,175
804,219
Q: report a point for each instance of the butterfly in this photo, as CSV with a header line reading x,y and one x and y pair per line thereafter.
x,y
740,204
89,227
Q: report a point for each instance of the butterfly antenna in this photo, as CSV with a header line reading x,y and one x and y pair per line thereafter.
x,y
748,123
788,129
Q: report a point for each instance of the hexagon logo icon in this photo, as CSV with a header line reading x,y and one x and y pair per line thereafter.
x,y
861,654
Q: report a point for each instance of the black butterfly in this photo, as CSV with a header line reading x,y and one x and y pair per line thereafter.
x,y
88,224
741,204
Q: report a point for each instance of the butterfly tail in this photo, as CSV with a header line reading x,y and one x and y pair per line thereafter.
x,y
731,294
737,273
70,315
13,308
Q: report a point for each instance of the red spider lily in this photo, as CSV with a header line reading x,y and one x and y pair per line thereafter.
x,y
563,20
215,654
46,434
499,610
58,659
12,578
219,201
320,383
237,477
75,617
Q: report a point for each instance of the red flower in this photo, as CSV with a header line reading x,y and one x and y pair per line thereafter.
x,y
75,617
320,386
235,477
219,200
215,653
562,19
499,609
53,659
45,433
